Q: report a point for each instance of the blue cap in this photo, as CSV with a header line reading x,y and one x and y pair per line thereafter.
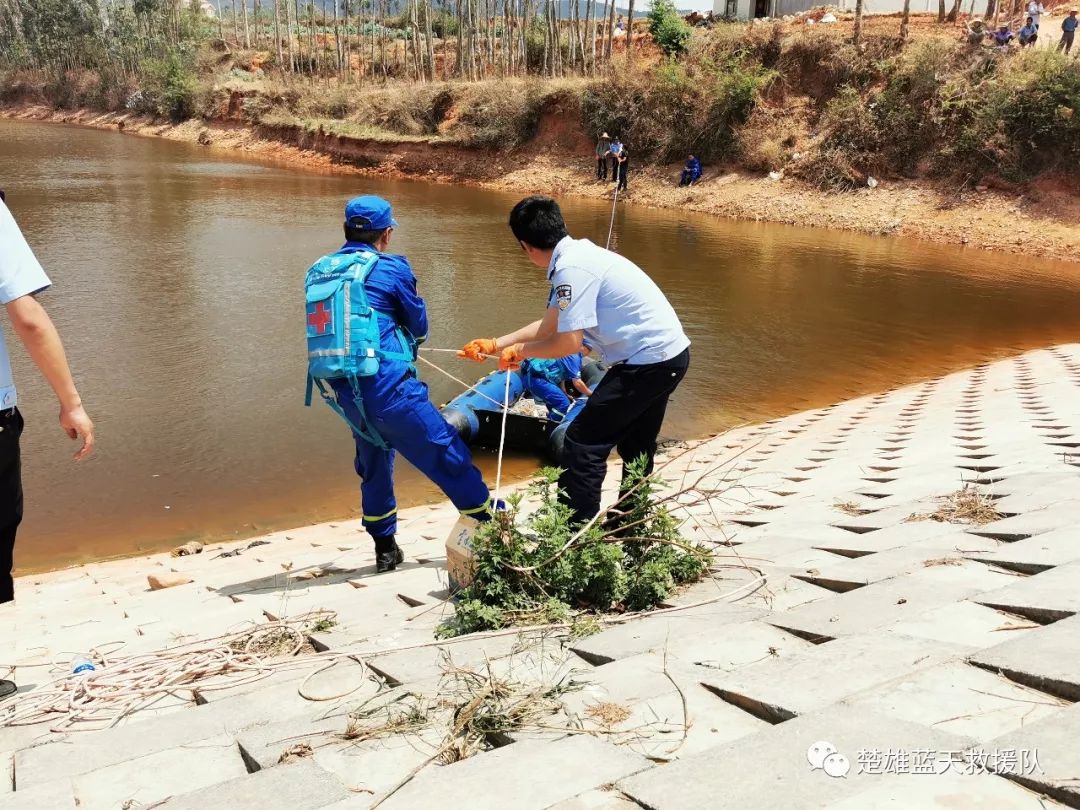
x,y
369,213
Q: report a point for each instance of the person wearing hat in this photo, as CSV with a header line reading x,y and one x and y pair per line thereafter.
x,y
392,406
1068,31
1003,37
605,299
603,147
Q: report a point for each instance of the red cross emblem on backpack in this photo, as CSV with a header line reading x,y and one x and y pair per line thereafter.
x,y
319,318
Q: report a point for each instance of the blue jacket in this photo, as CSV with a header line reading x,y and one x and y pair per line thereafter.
x,y
391,289
694,167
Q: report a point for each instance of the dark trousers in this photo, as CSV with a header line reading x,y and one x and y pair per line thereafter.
x,y
601,168
11,498
623,168
1066,41
687,178
626,412
614,169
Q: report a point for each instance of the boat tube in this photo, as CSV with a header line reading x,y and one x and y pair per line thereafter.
x,y
477,414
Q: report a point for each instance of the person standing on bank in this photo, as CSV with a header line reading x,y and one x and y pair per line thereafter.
x,y
614,151
389,410
21,279
603,146
605,299
622,167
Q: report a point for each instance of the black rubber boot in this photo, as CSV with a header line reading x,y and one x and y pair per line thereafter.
x,y
387,554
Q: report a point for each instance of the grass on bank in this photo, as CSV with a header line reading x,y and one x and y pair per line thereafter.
x,y
764,97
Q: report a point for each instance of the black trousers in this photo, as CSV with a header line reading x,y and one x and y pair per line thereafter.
x,y
601,168
626,412
11,498
623,168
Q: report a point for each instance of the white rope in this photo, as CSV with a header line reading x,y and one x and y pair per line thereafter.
x,y
462,382
502,439
611,227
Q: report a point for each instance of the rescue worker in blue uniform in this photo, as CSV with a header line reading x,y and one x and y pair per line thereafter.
x,y
691,173
394,402
605,299
544,380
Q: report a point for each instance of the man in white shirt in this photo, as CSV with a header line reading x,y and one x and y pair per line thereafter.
x,y
605,299
21,279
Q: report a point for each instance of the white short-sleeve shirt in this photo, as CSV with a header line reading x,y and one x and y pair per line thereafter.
x,y
624,315
20,274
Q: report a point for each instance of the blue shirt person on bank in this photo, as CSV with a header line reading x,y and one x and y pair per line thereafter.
x,y
394,403
691,173
605,299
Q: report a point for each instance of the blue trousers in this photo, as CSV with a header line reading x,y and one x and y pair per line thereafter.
x,y
403,415
550,394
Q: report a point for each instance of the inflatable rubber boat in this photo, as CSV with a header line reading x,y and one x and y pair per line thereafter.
x,y
477,414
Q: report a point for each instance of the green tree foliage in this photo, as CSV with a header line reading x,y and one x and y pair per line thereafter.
x,y
537,569
669,30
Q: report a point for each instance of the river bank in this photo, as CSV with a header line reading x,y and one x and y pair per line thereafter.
x,y
1042,219
922,540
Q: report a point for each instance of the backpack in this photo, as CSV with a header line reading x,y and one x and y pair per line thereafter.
x,y
343,331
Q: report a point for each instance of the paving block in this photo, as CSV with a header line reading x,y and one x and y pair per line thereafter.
x,y
947,791
526,775
967,623
771,769
264,744
1052,742
959,699
1020,527
156,777
1045,597
884,603
1045,658
652,633
780,688
601,799
58,794
1038,553
300,785
373,767
667,715
848,574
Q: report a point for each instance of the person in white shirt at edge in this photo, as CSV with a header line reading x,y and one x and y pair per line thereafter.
x,y
21,279
1034,9
605,299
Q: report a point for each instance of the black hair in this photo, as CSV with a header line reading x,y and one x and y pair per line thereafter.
x,y
538,222
363,235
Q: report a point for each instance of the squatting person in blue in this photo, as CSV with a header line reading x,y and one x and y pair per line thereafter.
x,y
544,380
605,299
390,411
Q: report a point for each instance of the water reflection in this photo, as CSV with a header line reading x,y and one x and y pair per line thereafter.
x,y
178,273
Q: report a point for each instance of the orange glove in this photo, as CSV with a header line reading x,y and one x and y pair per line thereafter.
x,y
512,357
478,350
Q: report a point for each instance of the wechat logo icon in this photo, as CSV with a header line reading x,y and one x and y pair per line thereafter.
x,y
823,756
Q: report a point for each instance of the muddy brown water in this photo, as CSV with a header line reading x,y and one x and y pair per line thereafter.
x,y
177,274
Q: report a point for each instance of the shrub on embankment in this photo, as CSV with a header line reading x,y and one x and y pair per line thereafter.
x,y
765,97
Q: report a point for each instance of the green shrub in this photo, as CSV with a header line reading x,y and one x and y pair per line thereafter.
x,y
669,30
533,571
170,87
1017,122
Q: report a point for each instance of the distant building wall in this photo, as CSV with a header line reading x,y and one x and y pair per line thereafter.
x,y
748,9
